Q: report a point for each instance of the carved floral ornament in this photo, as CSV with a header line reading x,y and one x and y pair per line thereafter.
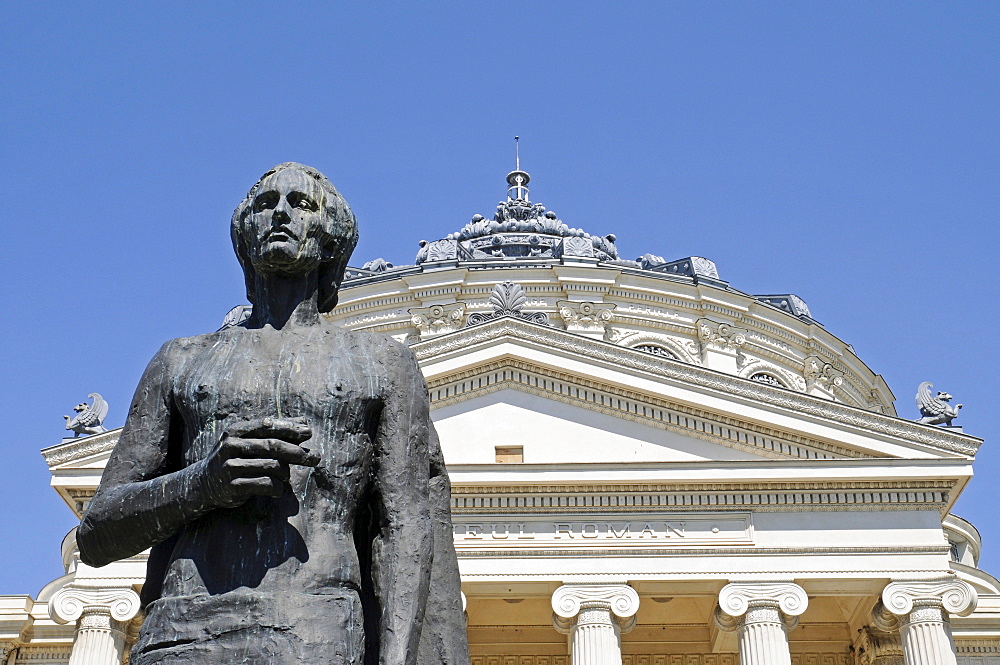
x,y
508,299
438,319
822,373
721,334
584,316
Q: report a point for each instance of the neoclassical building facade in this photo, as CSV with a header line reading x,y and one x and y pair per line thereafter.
x,y
649,467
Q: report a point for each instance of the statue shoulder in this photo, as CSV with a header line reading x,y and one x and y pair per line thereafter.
x,y
393,353
178,350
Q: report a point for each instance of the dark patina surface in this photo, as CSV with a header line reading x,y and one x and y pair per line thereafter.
x,y
285,472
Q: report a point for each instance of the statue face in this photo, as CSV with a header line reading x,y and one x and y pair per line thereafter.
x,y
286,224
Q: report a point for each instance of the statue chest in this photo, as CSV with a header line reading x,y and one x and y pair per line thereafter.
x,y
248,378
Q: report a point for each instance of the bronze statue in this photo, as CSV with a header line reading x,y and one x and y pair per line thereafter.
x,y
285,471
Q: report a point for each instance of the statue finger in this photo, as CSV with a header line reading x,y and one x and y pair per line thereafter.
x,y
256,468
293,430
261,486
276,449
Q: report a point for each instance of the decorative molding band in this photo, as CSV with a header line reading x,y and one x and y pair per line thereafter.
x,y
738,597
686,552
43,655
72,449
950,593
71,602
977,646
629,405
636,360
760,497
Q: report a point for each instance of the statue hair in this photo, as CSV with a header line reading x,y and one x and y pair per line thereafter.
x,y
337,243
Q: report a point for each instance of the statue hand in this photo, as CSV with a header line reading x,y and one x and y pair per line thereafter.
x,y
253,458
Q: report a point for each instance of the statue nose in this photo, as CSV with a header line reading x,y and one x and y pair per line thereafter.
x,y
280,213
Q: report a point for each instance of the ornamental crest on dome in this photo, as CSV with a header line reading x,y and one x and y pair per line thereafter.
x,y
519,229
508,299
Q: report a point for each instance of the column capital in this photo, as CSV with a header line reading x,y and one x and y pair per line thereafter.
x,y
621,600
72,601
737,597
949,593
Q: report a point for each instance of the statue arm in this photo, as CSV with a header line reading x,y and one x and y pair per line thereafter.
x,y
401,551
143,498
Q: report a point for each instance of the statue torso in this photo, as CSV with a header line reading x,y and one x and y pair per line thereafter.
x,y
303,541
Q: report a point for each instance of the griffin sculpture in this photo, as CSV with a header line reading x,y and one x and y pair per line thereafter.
x,y
89,418
935,410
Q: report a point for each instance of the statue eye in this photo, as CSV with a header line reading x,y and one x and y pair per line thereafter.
x,y
264,201
303,202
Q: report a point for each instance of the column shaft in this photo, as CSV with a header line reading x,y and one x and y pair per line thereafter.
x,y
926,637
763,640
595,638
100,640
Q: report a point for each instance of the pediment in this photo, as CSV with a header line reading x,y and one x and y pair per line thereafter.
x,y
729,411
553,431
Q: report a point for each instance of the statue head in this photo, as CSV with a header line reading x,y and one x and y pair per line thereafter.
x,y
292,222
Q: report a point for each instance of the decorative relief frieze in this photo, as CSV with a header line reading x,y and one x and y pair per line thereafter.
x,y
822,374
720,335
74,449
437,319
518,659
586,317
804,404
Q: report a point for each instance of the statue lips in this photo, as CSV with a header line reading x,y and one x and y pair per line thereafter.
x,y
279,234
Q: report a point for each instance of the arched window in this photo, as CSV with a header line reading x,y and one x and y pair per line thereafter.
x,y
656,351
769,379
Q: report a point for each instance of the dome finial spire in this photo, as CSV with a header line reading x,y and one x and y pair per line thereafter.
x,y
517,180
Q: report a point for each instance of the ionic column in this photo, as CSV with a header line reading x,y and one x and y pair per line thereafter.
x,y
880,643
102,615
594,616
923,608
762,613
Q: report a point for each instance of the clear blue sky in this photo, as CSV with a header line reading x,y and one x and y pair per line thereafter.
x,y
846,152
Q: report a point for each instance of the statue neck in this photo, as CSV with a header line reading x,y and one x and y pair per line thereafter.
x,y
281,301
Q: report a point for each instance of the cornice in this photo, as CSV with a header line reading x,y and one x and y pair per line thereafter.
x,y
704,378
74,449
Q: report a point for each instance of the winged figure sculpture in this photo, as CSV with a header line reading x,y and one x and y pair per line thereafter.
x,y
89,418
935,410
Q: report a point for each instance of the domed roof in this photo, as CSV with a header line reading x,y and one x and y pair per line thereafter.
x,y
679,310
